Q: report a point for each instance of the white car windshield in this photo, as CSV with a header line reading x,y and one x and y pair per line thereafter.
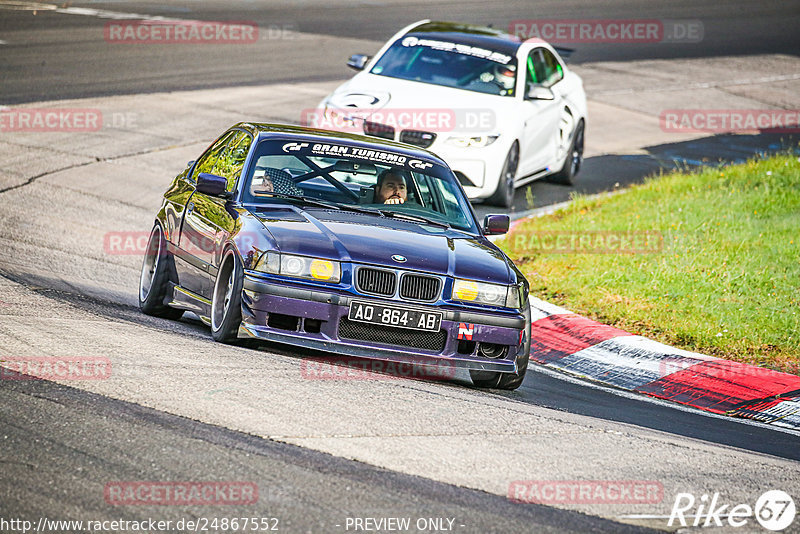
x,y
450,64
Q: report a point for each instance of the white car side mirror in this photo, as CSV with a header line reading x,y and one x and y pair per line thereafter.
x,y
358,61
538,92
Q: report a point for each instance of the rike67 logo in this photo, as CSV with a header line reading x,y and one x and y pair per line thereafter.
x,y
774,510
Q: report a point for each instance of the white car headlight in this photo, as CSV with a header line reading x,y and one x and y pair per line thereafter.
x,y
337,119
300,267
484,293
465,141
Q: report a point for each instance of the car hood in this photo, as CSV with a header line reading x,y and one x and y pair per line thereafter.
x,y
368,96
361,238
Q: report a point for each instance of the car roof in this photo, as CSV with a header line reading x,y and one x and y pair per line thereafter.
x,y
288,131
473,35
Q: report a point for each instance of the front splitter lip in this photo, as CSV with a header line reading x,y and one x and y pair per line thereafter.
x,y
338,348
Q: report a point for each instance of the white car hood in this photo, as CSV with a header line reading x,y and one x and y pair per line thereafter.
x,y
370,96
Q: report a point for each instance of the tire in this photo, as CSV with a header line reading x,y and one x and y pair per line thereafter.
x,y
507,381
572,163
493,380
504,195
155,277
226,301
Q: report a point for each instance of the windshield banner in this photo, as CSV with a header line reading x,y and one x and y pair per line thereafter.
x,y
345,151
458,48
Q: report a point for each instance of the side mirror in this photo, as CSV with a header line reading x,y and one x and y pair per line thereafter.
x,y
212,185
496,224
358,61
537,92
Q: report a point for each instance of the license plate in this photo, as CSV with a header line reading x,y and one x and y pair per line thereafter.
x,y
364,312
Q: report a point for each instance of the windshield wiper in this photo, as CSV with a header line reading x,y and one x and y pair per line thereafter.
x,y
416,218
304,199
350,207
324,203
347,207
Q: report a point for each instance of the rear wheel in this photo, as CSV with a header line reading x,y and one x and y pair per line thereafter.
x,y
154,278
226,302
504,195
572,163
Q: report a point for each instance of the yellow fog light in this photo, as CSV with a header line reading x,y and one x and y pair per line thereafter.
x,y
465,290
322,269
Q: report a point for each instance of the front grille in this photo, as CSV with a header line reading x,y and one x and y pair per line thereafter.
x,y
418,287
376,129
387,335
376,281
417,137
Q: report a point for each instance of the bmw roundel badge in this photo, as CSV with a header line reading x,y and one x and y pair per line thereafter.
x,y
398,258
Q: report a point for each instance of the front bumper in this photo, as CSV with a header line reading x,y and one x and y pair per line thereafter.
x,y
480,165
317,319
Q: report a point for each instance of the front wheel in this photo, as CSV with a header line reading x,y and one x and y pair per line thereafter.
x,y
507,381
226,302
154,278
504,195
493,380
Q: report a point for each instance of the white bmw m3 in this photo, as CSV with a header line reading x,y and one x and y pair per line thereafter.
x,y
500,111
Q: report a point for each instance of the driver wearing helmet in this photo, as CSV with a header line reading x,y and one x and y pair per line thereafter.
x,y
504,76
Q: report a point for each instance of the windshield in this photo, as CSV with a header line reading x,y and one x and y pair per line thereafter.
x,y
449,64
339,176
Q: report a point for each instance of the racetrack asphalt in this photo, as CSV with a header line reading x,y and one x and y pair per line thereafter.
x,y
50,56
84,441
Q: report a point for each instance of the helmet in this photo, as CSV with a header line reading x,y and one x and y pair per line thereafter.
x,y
504,75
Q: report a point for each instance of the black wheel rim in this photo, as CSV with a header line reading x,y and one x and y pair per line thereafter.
x,y
577,152
511,172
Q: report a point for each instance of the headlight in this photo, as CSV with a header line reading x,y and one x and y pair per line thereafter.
x,y
300,267
489,294
480,140
339,117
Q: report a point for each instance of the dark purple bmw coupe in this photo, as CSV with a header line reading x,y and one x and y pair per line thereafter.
x,y
340,243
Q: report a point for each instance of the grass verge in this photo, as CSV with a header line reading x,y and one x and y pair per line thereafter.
x,y
707,261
